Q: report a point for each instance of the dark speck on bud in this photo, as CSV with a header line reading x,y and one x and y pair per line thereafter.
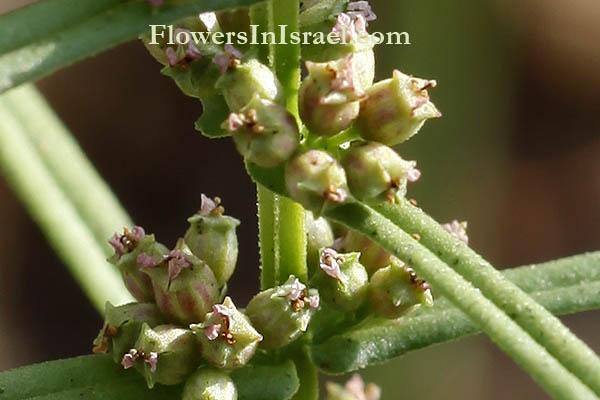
x,y
128,247
227,339
212,238
376,172
264,132
342,280
316,180
166,354
396,290
282,313
395,109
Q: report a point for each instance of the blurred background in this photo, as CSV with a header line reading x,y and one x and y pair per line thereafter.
x,y
517,155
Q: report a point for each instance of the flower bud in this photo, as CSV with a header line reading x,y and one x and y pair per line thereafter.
x,y
354,389
212,238
184,286
328,97
342,281
395,290
282,313
166,354
318,235
395,109
209,384
128,246
372,256
376,172
316,180
264,132
227,338
122,327
241,83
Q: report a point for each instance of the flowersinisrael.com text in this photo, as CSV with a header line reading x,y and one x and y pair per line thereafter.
x,y
184,37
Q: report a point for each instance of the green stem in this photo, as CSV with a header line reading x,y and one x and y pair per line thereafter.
x,y
505,332
571,351
308,376
285,56
379,340
71,169
266,234
48,205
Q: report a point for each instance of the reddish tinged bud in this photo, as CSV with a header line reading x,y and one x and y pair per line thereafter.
x,y
184,286
342,281
376,172
122,326
372,256
242,82
209,384
328,97
281,314
235,342
316,180
212,238
396,290
264,132
128,246
166,354
395,109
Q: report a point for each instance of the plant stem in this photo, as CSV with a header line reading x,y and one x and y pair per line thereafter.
x,y
507,334
71,169
266,234
573,353
308,375
48,205
285,56
379,340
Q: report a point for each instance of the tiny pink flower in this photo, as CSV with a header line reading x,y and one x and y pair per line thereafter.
x,y
313,301
212,331
221,311
130,358
363,8
152,360
296,290
329,263
458,230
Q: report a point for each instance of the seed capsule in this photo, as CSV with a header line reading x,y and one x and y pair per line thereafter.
x,y
316,180
376,172
212,238
342,281
209,384
264,132
122,327
372,256
227,338
395,109
184,286
241,83
282,313
166,354
128,246
396,290
319,235
328,97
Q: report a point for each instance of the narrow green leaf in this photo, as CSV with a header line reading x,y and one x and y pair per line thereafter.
x,y
214,113
508,335
96,377
61,38
379,340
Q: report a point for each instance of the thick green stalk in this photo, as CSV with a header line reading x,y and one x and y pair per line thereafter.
x,y
285,58
571,351
379,340
308,376
69,166
507,334
266,234
48,205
